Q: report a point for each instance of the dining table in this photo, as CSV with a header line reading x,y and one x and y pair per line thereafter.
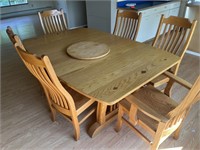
x,y
128,66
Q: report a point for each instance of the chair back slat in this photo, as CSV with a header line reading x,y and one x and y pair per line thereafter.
x,y
174,34
42,69
172,38
167,37
53,21
57,23
127,24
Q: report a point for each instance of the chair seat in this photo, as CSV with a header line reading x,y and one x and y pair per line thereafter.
x,y
159,80
141,116
156,100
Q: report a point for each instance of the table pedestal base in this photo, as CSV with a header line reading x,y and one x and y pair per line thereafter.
x,y
97,127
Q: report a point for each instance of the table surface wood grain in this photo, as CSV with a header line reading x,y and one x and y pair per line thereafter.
x,y
127,67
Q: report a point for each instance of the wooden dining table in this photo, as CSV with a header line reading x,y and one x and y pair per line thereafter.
x,y
128,66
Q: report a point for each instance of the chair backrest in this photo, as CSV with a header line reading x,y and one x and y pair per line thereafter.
x,y
127,24
53,21
10,34
178,114
174,34
42,69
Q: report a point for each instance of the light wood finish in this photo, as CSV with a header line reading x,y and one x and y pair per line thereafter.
x,y
173,35
157,113
63,100
127,24
128,66
10,34
19,42
88,50
25,113
53,21
13,37
109,76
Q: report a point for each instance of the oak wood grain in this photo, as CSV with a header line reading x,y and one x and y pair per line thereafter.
x,y
23,128
128,66
88,50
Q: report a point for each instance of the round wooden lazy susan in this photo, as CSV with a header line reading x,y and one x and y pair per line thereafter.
x,y
88,50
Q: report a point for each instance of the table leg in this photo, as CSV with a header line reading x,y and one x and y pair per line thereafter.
x,y
103,119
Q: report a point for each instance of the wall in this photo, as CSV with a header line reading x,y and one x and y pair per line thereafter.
x,y
192,12
183,8
101,15
113,14
32,7
75,12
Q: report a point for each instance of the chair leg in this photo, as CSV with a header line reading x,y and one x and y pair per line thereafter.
x,y
158,136
168,88
177,132
76,128
119,119
53,114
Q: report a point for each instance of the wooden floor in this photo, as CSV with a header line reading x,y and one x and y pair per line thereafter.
x,y
25,117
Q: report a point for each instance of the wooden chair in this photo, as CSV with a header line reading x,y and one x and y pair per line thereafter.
x,y
53,21
127,24
156,112
173,35
10,34
61,98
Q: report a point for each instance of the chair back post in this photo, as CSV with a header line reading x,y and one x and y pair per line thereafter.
x,y
10,34
191,32
115,28
138,26
64,19
42,24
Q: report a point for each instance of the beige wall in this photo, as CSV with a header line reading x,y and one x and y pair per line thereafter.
x,y
193,12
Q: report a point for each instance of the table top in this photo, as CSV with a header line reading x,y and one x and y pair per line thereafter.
x,y
127,67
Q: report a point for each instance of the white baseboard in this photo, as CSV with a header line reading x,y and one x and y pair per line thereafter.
x,y
82,26
193,53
